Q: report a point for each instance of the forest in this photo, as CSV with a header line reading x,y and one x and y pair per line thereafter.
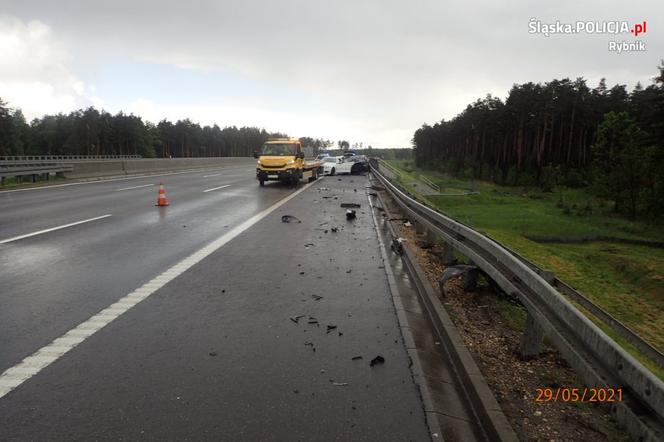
x,y
93,132
560,133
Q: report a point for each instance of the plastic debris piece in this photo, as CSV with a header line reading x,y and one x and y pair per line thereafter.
x,y
408,224
339,384
377,360
296,319
290,219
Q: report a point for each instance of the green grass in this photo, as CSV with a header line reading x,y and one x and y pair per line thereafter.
x,y
626,280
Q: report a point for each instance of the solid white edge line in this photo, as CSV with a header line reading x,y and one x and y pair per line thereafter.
x,y
216,188
24,370
134,187
28,235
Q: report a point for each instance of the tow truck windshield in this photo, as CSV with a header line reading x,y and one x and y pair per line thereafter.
x,y
280,150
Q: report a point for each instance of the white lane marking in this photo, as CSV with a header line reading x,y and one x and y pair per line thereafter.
x,y
24,370
110,180
216,188
134,187
27,235
208,176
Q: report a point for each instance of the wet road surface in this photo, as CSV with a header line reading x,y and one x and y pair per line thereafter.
x,y
258,341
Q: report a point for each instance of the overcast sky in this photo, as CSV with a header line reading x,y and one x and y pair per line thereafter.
x,y
370,71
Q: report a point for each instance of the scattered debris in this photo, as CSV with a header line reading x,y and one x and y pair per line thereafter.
x,y
351,205
312,320
377,360
334,229
301,273
306,246
356,358
289,219
310,344
339,384
317,297
330,328
350,214
407,224
349,270
213,353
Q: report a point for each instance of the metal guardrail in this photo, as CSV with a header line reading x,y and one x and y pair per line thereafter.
x,y
601,314
429,183
33,169
625,332
14,158
597,359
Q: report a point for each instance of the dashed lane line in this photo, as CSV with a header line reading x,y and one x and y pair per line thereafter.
x,y
40,232
216,188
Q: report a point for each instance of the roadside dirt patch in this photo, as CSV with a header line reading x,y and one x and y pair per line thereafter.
x,y
490,327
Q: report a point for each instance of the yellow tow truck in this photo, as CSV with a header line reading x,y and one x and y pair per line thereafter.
x,y
282,159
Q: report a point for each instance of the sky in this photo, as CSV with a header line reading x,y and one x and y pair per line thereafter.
x,y
364,71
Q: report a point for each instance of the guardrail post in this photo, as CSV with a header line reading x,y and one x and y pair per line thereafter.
x,y
447,256
531,341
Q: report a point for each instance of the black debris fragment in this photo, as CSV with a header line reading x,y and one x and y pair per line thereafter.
x,y
334,229
356,358
330,328
350,214
213,353
351,205
377,360
306,246
397,245
289,219
296,319
317,297
301,273
312,320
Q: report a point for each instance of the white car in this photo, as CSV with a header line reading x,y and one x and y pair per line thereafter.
x,y
331,165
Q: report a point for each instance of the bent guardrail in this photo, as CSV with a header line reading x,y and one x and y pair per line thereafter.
x,y
594,355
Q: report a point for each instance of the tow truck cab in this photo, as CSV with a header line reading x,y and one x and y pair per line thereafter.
x,y
282,159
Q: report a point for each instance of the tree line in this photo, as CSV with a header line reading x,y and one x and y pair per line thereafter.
x,y
559,133
93,132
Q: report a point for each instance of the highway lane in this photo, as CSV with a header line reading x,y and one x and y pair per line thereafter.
x,y
215,355
53,281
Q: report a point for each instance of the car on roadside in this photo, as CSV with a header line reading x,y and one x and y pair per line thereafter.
x,y
331,165
359,164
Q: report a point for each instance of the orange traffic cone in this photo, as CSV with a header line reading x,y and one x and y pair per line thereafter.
x,y
162,200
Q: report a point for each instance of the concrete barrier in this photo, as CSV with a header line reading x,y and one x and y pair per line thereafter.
x,y
99,169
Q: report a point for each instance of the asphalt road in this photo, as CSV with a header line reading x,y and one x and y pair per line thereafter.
x,y
219,352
